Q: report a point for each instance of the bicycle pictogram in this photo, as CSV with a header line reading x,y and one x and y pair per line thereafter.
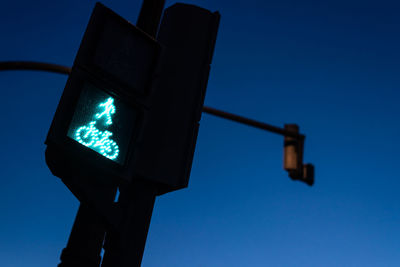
x,y
89,136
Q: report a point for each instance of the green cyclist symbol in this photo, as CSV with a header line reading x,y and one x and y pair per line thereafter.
x,y
88,135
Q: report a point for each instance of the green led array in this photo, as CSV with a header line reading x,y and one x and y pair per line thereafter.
x,y
88,135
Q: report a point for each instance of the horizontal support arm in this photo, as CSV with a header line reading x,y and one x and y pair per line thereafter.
x,y
250,122
29,65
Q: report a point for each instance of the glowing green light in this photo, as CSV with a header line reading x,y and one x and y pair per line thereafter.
x,y
88,135
109,109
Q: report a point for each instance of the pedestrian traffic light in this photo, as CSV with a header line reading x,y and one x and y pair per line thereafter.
x,y
128,118
99,117
98,123
132,104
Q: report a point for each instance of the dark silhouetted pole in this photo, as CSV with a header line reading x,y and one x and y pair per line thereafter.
x,y
125,246
85,241
29,65
149,16
251,122
87,235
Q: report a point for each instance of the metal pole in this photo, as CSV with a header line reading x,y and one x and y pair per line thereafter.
x,y
87,235
149,16
125,247
85,241
29,65
253,123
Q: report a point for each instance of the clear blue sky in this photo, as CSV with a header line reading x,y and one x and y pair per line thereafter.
x,y
330,66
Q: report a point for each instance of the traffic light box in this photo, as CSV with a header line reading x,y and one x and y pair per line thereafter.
x,y
132,104
187,34
293,149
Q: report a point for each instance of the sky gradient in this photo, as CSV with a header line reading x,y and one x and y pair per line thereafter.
x,y
332,68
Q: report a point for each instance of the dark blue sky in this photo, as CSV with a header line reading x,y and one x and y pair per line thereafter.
x,y
330,66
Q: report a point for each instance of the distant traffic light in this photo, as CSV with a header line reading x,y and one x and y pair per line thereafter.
x,y
293,157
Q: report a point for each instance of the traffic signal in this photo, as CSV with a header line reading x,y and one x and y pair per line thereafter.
x,y
293,157
165,152
94,130
132,104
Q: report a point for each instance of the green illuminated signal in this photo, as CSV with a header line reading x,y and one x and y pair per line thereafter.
x,y
89,136
109,109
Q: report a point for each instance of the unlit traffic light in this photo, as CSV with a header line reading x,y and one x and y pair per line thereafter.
x,y
293,157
